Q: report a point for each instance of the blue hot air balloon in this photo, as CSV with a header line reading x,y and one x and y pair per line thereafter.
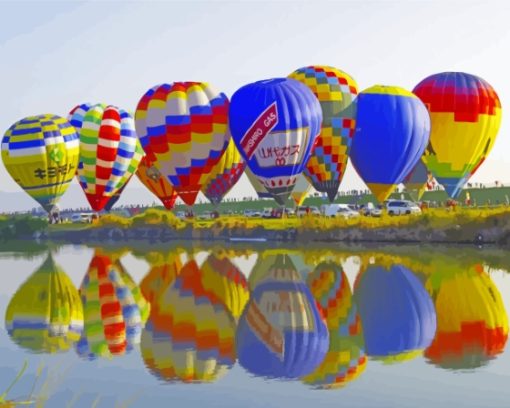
x,y
281,333
274,124
392,132
397,313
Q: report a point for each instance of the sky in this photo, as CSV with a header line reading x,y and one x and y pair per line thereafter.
x,y
54,55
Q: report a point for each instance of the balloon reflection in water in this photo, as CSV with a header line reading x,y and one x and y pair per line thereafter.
x,y
164,269
281,333
45,314
345,359
221,277
472,324
397,313
190,335
114,309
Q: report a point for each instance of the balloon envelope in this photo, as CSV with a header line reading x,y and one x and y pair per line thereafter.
x,y
336,92
41,155
397,313
45,314
107,145
224,175
417,180
301,190
465,114
281,333
392,132
274,124
184,126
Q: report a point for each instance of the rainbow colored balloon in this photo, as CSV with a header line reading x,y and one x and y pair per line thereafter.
x,y
392,132
190,335
346,358
274,124
221,277
158,185
336,92
41,155
224,175
465,114
45,314
184,126
107,145
472,323
281,333
132,169
114,310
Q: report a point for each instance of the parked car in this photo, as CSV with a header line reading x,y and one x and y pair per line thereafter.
x,y
400,207
278,212
180,214
252,213
370,210
209,215
346,212
267,213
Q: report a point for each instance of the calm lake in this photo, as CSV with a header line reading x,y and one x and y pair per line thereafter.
x,y
256,327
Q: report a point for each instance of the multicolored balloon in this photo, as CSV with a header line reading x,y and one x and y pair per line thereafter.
x,y
465,114
45,314
224,175
132,169
346,358
107,145
257,185
114,309
158,185
397,313
274,124
221,277
184,126
190,335
336,92
41,155
418,180
281,333
472,324
301,190
392,132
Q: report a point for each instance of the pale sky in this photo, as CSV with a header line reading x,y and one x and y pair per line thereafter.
x,y
54,55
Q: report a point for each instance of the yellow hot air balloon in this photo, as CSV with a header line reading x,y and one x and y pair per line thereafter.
x,y
301,190
465,115
45,314
224,174
472,324
225,280
41,154
190,335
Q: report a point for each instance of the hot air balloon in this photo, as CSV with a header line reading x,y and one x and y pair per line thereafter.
x,y
392,132
224,175
164,268
107,145
418,180
465,114
345,359
114,309
158,185
190,335
274,124
472,324
133,167
45,314
257,185
184,126
397,313
41,155
301,190
221,277
281,333
336,92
